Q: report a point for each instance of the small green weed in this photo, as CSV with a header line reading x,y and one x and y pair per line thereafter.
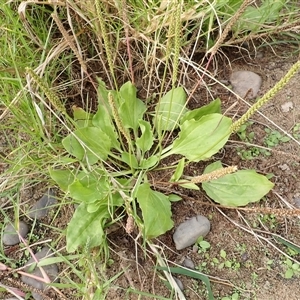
x,y
250,153
270,263
244,134
291,269
234,296
274,138
247,136
203,246
296,131
231,263
269,220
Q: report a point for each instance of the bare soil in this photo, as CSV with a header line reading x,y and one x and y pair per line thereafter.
x,y
257,268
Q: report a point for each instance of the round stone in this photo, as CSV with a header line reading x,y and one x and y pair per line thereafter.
x,y
11,236
41,208
51,270
187,233
179,283
245,83
188,263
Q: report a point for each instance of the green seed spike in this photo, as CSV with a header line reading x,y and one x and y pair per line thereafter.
x,y
214,174
52,97
117,118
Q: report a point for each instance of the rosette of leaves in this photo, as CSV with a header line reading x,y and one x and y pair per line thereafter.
x,y
110,152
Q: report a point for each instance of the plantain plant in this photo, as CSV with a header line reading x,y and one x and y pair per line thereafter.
x,y
110,154
115,149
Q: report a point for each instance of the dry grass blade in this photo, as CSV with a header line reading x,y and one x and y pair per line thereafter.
x,y
228,27
256,234
69,41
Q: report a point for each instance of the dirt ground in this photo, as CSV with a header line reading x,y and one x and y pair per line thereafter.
x,y
256,267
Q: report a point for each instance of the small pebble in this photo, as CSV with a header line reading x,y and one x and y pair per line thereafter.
x,y
188,263
187,233
41,208
244,257
297,202
284,167
287,106
245,83
10,235
179,283
51,270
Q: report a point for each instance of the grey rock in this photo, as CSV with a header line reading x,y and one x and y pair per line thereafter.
x,y
37,296
41,207
188,263
187,233
297,202
10,235
51,270
179,283
245,83
284,167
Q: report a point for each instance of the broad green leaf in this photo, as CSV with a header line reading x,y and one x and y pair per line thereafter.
x,y
236,189
213,167
92,207
102,120
197,114
149,162
131,108
170,109
91,137
253,17
62,177
115,200
288,274
179,170
102,92
145,141
89,188
189,185
109,201
130,160
156,210
174,198
199,140
86,229
81,117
